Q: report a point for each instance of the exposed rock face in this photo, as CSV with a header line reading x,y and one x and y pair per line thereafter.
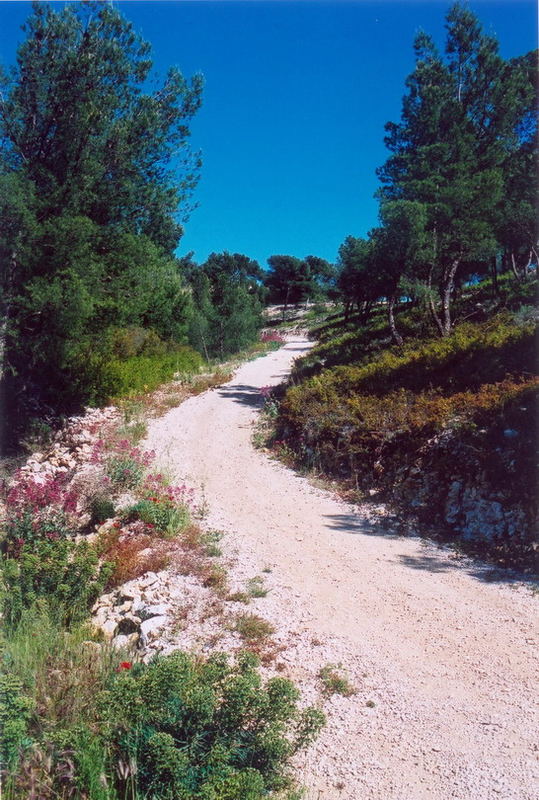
x,y
476,493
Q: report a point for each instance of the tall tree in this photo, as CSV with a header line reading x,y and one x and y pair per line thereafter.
x,y
95,178
458,123
288,280
227,293
357,277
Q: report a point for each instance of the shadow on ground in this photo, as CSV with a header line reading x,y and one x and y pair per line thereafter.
x,y
244,394
351,523
440,558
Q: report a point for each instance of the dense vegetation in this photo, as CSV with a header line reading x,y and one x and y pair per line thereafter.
x,y
95,179
424,389
79,719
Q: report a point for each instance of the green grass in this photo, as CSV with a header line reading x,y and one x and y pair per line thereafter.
x,y
253,628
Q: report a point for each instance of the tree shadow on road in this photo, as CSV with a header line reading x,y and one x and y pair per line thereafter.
x,y
352,523
244,394
441,557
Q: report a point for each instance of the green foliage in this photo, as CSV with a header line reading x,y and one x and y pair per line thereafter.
x,y
101,508
253,628
334,681
472,355
51,677
227,301
90,209
457,189
290,280
63,574
124,471
203,728
15,711
141,374
443,411
165,515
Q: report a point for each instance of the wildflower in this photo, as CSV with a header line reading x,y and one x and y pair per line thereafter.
x,y
124,665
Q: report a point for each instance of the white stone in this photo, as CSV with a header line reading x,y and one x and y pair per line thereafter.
x,y
150,628
109,628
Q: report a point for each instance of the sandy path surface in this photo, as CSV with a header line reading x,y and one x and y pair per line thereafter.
x,y
444,662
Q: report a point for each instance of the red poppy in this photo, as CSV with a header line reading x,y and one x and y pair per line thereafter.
x,y
124,665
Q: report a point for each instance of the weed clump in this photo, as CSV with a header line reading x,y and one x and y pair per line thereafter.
x,y
334,682
252,628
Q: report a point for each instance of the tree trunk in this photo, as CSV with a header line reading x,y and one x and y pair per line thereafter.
x,y
5,314
514,266
430,304
395,335
495,276
447,289
286,302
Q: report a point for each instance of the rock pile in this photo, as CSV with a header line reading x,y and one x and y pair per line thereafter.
x,y
73,444
134,615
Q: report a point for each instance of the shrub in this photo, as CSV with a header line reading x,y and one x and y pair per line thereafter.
x,y
15,711
101,509
162,513
47,709
63,574
126,465
142,373
194,728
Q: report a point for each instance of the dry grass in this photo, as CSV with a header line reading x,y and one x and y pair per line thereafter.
x,y
171,395
132,556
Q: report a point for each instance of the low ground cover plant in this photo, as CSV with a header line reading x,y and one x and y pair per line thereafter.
x,y
335,681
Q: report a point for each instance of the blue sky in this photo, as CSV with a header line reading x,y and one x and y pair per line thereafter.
x,y
296,97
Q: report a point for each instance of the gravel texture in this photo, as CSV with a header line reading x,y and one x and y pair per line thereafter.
x,y
442,657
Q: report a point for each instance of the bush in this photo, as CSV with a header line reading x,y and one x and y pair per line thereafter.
x,y
334,682
375,424
63,574
162,513
143,373
15,711
203,729
47,709
101,509
253,628
126,465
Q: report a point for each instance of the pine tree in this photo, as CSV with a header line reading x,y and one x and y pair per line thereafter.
x,y
95,177
459,125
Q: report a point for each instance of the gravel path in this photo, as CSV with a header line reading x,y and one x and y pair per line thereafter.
x,y
443,660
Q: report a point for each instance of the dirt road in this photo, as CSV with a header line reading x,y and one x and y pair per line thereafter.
x,y
443,660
